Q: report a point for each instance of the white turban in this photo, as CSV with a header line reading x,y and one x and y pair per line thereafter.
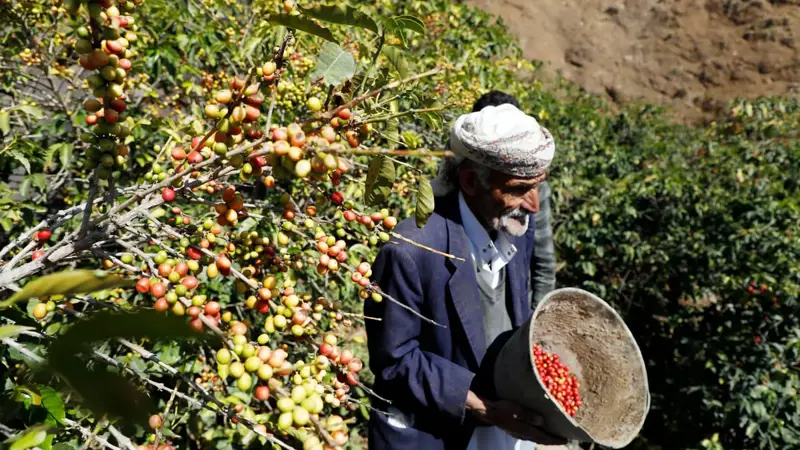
x,y
502,138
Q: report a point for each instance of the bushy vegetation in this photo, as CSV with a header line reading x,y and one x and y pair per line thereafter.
x,y
690,232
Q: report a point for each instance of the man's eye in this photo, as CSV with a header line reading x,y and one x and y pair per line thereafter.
x,y
522,189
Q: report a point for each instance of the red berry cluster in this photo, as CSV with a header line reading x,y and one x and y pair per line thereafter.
x,y
562,385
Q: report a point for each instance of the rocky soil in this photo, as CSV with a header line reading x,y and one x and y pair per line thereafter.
x,y
694,55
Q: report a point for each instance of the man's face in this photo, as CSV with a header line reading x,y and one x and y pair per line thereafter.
x,y
508,203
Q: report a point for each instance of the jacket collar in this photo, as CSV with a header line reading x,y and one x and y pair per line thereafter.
x,y
462,286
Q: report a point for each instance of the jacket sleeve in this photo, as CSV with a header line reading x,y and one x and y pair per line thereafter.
x,y
405,372
543,262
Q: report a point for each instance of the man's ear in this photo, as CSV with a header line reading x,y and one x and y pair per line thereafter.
x,y
468,181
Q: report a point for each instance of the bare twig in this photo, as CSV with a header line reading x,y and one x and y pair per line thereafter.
x,y
328,115
89,435
121,438
22,237
19,256
165,415
87,212
416,244
323,432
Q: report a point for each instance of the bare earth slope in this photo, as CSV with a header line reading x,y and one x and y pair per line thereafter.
x,y
694,55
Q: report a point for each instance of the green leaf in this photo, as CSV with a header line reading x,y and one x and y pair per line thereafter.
x,y
105,392
53,404
29,438
397,59
39,181
68,282
405,22
380,178
105,325
16,154
341,14
25,187
5,122
65,155
302,24
8,331
30,110
334,65
50,153
433,119
425,203
63,446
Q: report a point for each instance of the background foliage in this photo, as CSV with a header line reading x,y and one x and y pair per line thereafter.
x,y
692,233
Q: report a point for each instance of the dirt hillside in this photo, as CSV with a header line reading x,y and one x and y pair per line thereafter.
x,y
694,55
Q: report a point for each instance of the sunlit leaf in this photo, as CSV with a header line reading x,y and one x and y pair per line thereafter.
x,y
7,331
334,65
5,122
52,403
29,438
16,154
68,282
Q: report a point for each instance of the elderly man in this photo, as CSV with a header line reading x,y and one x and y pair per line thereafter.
x,y
543,264
485,200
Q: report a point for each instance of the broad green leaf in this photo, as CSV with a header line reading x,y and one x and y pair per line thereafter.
x,y
175,135
302,24
29,438
425,202
334,65
391,132
50,153
433,119
104,393
341,14
68,282
105,325
380,178
7,331
63,446
405,22
65,155
397,59
39,181
16,154
107,393
5,122
52,403
33,111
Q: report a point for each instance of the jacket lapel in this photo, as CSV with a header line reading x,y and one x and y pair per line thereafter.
x,y
462,288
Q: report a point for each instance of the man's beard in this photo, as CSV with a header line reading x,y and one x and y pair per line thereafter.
x,y
514,222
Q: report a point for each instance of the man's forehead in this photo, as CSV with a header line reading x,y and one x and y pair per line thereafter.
x,y
517,181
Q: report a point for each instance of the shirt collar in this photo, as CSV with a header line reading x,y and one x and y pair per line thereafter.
x,y
497,253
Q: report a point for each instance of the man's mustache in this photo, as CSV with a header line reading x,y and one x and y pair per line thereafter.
x,y
515,214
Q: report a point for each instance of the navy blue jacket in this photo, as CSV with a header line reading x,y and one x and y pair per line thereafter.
x,y
422,368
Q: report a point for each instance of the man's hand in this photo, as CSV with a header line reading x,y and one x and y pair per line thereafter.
x,y
513,419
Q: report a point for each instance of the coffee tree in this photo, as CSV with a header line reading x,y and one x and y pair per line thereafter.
x,y
208,260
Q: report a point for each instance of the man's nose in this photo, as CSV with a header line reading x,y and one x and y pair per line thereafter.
x,y
530,202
